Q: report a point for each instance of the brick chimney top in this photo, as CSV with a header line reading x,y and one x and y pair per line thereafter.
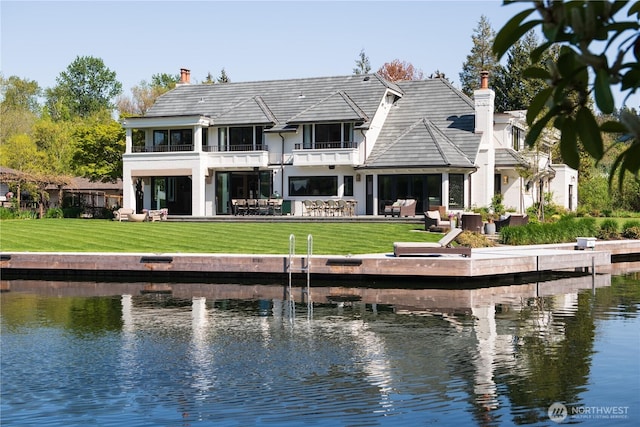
x,y
484,80
185,76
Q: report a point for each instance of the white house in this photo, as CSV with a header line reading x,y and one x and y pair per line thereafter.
x,y
355,137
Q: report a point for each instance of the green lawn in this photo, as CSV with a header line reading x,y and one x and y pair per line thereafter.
x,y
80,235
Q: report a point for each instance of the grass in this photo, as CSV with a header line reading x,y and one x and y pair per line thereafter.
x,y
79,235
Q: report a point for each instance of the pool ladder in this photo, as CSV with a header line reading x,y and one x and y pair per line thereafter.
x,y
305,267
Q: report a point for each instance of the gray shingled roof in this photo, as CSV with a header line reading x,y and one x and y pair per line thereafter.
x,y
508,157
431,125
423,144
355,97
442,120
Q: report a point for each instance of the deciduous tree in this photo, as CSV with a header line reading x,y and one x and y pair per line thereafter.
x,y
19,106
84,88
396,71
100,144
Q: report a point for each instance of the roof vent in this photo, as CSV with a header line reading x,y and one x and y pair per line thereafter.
x,y
301,95
366,78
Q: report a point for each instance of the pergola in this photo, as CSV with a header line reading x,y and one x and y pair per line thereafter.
x,y
41,181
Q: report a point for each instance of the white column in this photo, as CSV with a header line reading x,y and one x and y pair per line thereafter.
x,y
197,139
128,189
198,191
128,140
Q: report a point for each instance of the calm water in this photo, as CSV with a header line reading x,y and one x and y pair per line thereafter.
x,y
110,354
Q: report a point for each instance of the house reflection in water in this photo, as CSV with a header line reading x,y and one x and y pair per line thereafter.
x,y
429,338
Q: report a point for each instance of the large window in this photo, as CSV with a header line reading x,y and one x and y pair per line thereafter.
x,y
313,186
456,191
240,138
425,188
173,140
327,135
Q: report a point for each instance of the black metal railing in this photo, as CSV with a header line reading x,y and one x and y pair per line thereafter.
x,y
326,145
161,148
239,147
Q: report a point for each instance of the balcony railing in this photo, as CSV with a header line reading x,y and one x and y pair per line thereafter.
x,y
326,145
240,147
189,147
161,148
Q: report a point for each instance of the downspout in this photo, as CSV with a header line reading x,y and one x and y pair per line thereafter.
x,y
470,192
364,142
282,165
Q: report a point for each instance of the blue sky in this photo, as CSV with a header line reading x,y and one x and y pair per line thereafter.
x,y
251,40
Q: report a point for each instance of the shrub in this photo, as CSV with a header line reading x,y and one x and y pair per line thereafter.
x,y
563,231
54,213
474,240
631,233
73,212
631,229
608,230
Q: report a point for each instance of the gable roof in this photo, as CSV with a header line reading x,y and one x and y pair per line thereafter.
x,y
278,102
428,147
337,106
445,137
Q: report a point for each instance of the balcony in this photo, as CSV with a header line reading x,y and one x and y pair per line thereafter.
x,y
161,148
326,153
235,156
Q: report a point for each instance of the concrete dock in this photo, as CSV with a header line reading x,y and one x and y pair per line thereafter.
x,y
484,263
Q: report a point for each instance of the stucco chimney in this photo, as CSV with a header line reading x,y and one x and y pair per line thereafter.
x,y
185,76
483,179
484,80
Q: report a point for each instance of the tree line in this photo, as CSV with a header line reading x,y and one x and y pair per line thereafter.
x,y
70,129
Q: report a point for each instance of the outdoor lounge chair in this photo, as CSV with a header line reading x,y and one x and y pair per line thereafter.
x,y
122,214
394,208
443,246
432,219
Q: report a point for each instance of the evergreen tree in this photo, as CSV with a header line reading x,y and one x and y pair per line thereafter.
x,y
513,90
362,64
223,77
480,59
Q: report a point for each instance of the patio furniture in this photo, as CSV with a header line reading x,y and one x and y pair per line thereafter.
x,y
394,208
472,222
239,206
134,217
443,246
122,214
511,221
309,207
408,208
157,215
276,206
432,220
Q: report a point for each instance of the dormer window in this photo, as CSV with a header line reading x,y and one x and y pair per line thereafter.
x,y
328,135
